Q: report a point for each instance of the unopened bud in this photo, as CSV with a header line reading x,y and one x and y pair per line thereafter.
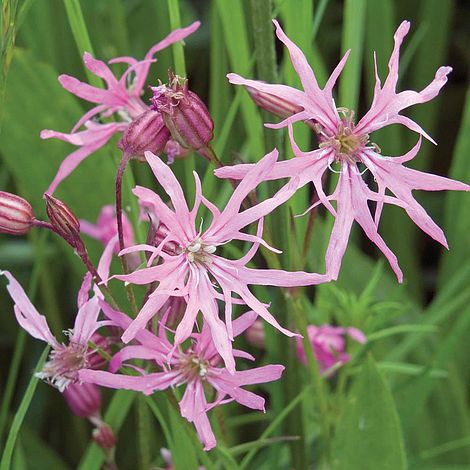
x,y
84,399
255,334
184,113
103,435
146,132
62,219
99,345
16,214
273,104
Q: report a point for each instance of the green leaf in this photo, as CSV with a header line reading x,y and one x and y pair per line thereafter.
x,y
369,434
21,413
80,33
457,225
353,38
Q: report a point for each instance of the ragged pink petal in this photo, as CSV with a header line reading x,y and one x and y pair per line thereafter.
x,y
26,314
86,321
387,103
319,103
89,141
352,195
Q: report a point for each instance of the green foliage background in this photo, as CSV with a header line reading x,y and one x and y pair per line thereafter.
x,y
402,402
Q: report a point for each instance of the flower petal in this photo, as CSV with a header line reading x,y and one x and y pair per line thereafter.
x,y
26,314
387,103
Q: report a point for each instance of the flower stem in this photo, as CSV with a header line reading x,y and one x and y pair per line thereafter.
x,y
209,153
83,254
261,13
317,379
125,267
180,69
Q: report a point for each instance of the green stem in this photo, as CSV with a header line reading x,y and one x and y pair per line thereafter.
x,y
274,424
180,69
265,56
143,428
261,13
317,379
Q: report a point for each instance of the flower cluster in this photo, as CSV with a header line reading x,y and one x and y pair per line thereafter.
x,y
122,99
198,300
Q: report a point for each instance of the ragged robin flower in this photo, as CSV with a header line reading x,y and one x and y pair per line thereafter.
x,y
198,367
65,360
120,99
193,267
348,143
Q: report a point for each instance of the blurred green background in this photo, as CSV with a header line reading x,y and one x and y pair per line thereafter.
x,y
421,327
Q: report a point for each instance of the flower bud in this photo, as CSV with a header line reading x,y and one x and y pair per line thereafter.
x,y
255,335
16,214
62,219
184,113
273,104
84,399
146,132
103,435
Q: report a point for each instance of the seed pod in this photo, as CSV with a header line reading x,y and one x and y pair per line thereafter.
x,y
146,132
184,113
16,214
83,399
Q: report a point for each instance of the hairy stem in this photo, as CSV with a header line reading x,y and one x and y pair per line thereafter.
x,y
125,267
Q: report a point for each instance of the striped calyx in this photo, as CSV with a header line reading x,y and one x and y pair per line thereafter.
x,y
16,214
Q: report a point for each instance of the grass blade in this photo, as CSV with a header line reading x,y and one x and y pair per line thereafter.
x,y
5,463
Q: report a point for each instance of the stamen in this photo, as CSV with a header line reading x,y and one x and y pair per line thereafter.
x,y
199,252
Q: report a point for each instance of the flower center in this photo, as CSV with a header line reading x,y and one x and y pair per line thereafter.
x,y
63,365
345,142
194,367
199,252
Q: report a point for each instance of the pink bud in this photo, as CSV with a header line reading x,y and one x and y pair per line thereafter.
x,y
84,399
95,359
62,219
273,104
184,113
329,345
255,334
146,132
16,214
103,435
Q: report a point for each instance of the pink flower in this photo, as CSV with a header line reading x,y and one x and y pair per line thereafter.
x,y
198,367
117,98
192,269
65,361
106,228
329,345
346,143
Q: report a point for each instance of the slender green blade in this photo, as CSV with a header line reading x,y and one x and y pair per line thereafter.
x,y
20,414
369,434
